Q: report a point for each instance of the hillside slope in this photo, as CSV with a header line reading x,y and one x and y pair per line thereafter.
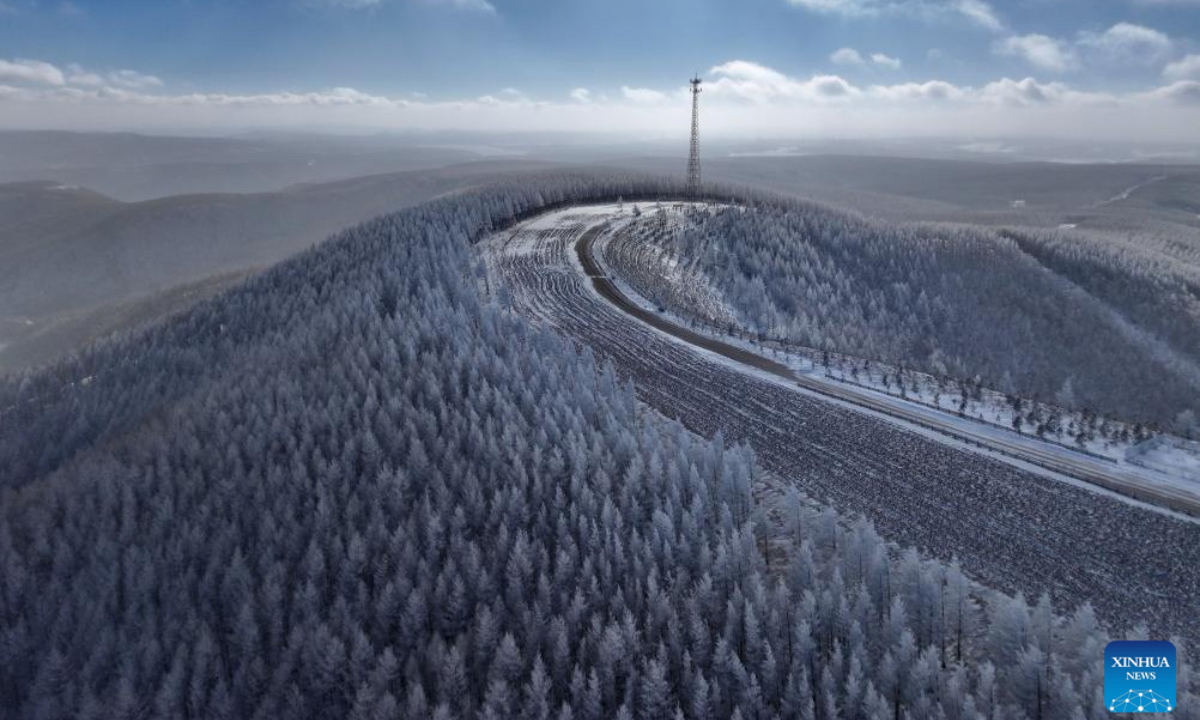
x,y
1062,316
67,251
347,489
124,252
133,167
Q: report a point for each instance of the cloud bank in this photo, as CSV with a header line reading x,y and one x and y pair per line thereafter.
x,y
977,12
741,99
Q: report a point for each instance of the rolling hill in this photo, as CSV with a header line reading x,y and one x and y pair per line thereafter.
x,y
66,252
133,167
353,488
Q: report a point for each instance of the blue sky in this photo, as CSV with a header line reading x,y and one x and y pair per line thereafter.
x,y
791,66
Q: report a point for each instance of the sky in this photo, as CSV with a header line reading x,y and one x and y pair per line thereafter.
x,y
1078,69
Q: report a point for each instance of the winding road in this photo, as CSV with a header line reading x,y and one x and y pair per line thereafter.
x,y
1096,470
1011,528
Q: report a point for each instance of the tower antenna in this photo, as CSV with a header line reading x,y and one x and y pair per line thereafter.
x,y
693,176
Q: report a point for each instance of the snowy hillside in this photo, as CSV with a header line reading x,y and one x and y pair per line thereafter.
x,y
353,488
1095,327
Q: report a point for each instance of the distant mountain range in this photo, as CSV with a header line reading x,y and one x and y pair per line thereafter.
x,y
68,253
100,232
135,167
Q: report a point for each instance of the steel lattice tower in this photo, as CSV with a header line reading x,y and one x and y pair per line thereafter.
x,y
693,177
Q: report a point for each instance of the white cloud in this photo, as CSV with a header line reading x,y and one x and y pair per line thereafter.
x,y
642,96
846,56
851,57
1184,92
829,86
480,5
744,99
1038,50
133,79
978,12
842,7
342,96
756,83
107,95
934,90
1184,68
1022,92
494,100
1126,42
885,61
1029,92
506,96
76,75
1123,44
31,71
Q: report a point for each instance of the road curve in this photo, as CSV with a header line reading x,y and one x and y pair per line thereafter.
x,y
1011,529
1101,472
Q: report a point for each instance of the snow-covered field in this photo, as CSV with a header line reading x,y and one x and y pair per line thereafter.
x,y
1169,455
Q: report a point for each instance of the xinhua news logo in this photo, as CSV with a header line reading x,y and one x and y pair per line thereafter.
x,y
1139,676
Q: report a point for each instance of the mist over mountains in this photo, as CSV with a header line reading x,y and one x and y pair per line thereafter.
x,y
133,167
73,259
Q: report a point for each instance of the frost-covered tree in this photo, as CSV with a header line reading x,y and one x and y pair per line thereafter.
x,y
1079,319
353,488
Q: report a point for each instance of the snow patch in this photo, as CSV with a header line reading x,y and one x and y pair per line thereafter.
x,y
1169,455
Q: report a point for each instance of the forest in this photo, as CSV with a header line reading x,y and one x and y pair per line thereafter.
x,y
1056,316
353,488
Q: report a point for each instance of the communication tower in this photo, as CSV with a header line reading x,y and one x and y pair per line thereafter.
x,y
693,178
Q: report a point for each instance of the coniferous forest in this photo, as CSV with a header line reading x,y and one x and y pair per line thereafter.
x,y
1048,315
353,488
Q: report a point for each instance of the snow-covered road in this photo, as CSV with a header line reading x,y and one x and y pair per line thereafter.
x,y
1011,528
1173,491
